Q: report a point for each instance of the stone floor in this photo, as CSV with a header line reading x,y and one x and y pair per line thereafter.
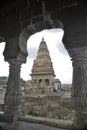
x,y
21,125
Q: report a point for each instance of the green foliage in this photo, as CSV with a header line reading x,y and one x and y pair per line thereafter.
x,y
3,80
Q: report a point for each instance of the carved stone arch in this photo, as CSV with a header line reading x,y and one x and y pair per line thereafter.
x,y
2,39
47,82
32,29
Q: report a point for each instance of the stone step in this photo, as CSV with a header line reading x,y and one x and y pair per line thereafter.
x,y
65,124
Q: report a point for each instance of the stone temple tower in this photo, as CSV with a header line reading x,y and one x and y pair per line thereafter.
x,y
42,70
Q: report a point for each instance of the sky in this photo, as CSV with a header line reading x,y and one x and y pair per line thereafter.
x,y
59,56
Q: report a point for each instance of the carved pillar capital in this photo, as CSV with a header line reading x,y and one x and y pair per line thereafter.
x,y
15,64
15,61
78,55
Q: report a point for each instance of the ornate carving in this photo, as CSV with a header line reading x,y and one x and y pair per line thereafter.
x,y
12,96
42,67
13,92
79,86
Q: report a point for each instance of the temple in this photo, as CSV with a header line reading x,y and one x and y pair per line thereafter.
x,y
42,70
21,19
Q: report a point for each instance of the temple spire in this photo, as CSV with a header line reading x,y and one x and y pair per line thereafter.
x,y
42,70
42,39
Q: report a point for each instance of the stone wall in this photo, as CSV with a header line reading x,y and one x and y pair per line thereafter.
x,y
39,105
35,104
65,102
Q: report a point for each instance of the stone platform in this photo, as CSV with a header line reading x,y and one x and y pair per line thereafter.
x,y
59,123
21,125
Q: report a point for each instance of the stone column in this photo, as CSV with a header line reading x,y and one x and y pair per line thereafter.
x,y
79,85
13,92
43,88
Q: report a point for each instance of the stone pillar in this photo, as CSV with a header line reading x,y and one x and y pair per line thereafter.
x,y
79,85
13,92
43,88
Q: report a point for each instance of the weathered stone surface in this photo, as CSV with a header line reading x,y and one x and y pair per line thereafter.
x,y
13,92
26,125
41,106
79,88
15,17
42,71
60,124
12,48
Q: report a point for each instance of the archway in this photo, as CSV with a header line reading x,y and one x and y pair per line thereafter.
x,y
32,29
29,31
77,53
40,83
47,82
16,63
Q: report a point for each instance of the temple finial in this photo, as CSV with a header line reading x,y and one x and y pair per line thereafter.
x,y
42,39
